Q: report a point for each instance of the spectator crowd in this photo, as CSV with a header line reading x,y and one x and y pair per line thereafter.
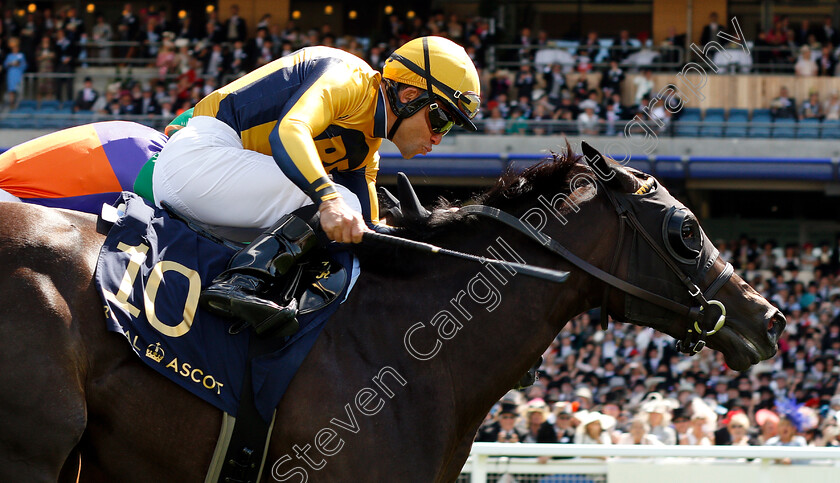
x,y
628,384
571,94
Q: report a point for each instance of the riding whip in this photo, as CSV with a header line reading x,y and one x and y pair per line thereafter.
x,y
555,276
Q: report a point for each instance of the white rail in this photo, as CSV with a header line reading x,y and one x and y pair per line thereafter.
x,y
634,463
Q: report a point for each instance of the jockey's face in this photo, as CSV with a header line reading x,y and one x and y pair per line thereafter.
x,y
414,136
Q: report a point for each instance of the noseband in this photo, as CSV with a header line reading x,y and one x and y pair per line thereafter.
x,y
708,316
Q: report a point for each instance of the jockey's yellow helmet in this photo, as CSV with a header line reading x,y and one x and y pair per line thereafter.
x,y
444,70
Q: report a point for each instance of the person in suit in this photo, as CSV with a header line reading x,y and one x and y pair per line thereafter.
x,y
710,31
563,429
804,31
235,28
622,48
591,44
147,104
254,46
525,81
86,97
827,61
673,42
828,33
127,29
539,430
555,82
784,106
215,62
65,64
503,429
611,79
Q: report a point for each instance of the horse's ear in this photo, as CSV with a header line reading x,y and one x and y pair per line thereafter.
x,y
409,203
612,175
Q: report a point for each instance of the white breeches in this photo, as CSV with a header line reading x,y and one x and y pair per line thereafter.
x,y
204,172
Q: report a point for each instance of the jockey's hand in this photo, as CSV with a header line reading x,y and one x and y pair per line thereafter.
x,y
340,222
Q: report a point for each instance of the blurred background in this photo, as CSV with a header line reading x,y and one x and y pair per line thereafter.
x,y
733,104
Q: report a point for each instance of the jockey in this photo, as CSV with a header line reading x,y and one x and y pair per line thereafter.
x,y
78,168
305,129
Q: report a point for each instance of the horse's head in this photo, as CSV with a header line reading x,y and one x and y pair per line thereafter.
x,y
677,282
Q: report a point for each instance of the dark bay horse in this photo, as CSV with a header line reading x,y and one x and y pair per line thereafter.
x,y
399,381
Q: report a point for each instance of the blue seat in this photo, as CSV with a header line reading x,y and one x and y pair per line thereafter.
x,y
736,126
686,125
784,128
691,111
27,103
715,112
831,129
50,105
712,125
808,129
23,109
760,112
739,112
760,125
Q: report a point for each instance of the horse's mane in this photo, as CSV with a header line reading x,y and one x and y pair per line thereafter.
x,y
548,176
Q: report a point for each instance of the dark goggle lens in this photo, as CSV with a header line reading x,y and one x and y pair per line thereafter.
x,y
440,121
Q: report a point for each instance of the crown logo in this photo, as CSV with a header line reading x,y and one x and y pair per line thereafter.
x,y
155,352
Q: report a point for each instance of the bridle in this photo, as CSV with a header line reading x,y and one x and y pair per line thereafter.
x,y
707,314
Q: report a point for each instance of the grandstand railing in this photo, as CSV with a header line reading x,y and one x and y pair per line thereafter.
x,y
733,60
491,462
489,166
806,129
511,56
492,165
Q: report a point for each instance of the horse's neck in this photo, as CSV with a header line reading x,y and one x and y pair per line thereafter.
x,y
462,333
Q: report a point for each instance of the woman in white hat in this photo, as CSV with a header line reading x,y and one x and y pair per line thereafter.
x,y
639,433
593,428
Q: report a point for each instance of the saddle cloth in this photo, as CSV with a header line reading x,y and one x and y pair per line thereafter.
x,y
150,272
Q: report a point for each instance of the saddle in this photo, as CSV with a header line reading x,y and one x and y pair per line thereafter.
x,y
260,368
315,282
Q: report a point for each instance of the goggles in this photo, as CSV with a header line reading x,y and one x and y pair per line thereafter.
x,y
468,103
439,120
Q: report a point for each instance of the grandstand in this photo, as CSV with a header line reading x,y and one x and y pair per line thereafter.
x,y
741,133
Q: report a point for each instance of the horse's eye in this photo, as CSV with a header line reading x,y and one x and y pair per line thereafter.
x,y
683,235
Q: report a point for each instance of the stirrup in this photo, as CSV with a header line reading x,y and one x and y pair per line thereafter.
x,y
284,322
281,324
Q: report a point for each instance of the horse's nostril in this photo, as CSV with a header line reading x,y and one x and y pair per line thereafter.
x,y
776,325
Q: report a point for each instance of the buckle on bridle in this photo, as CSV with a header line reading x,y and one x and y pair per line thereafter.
x,y
721,321
696,291
692,345
695,339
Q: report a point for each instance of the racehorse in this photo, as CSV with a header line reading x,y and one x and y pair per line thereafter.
x,y
403,374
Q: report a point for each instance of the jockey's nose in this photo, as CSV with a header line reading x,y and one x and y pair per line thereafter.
x,y
436,138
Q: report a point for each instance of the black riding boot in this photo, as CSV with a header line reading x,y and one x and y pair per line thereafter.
x,y
235,293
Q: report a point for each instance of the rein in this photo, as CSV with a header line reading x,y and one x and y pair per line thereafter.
x,y
712,313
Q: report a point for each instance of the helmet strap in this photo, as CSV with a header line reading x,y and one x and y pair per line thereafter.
x,y
402,110
393,129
